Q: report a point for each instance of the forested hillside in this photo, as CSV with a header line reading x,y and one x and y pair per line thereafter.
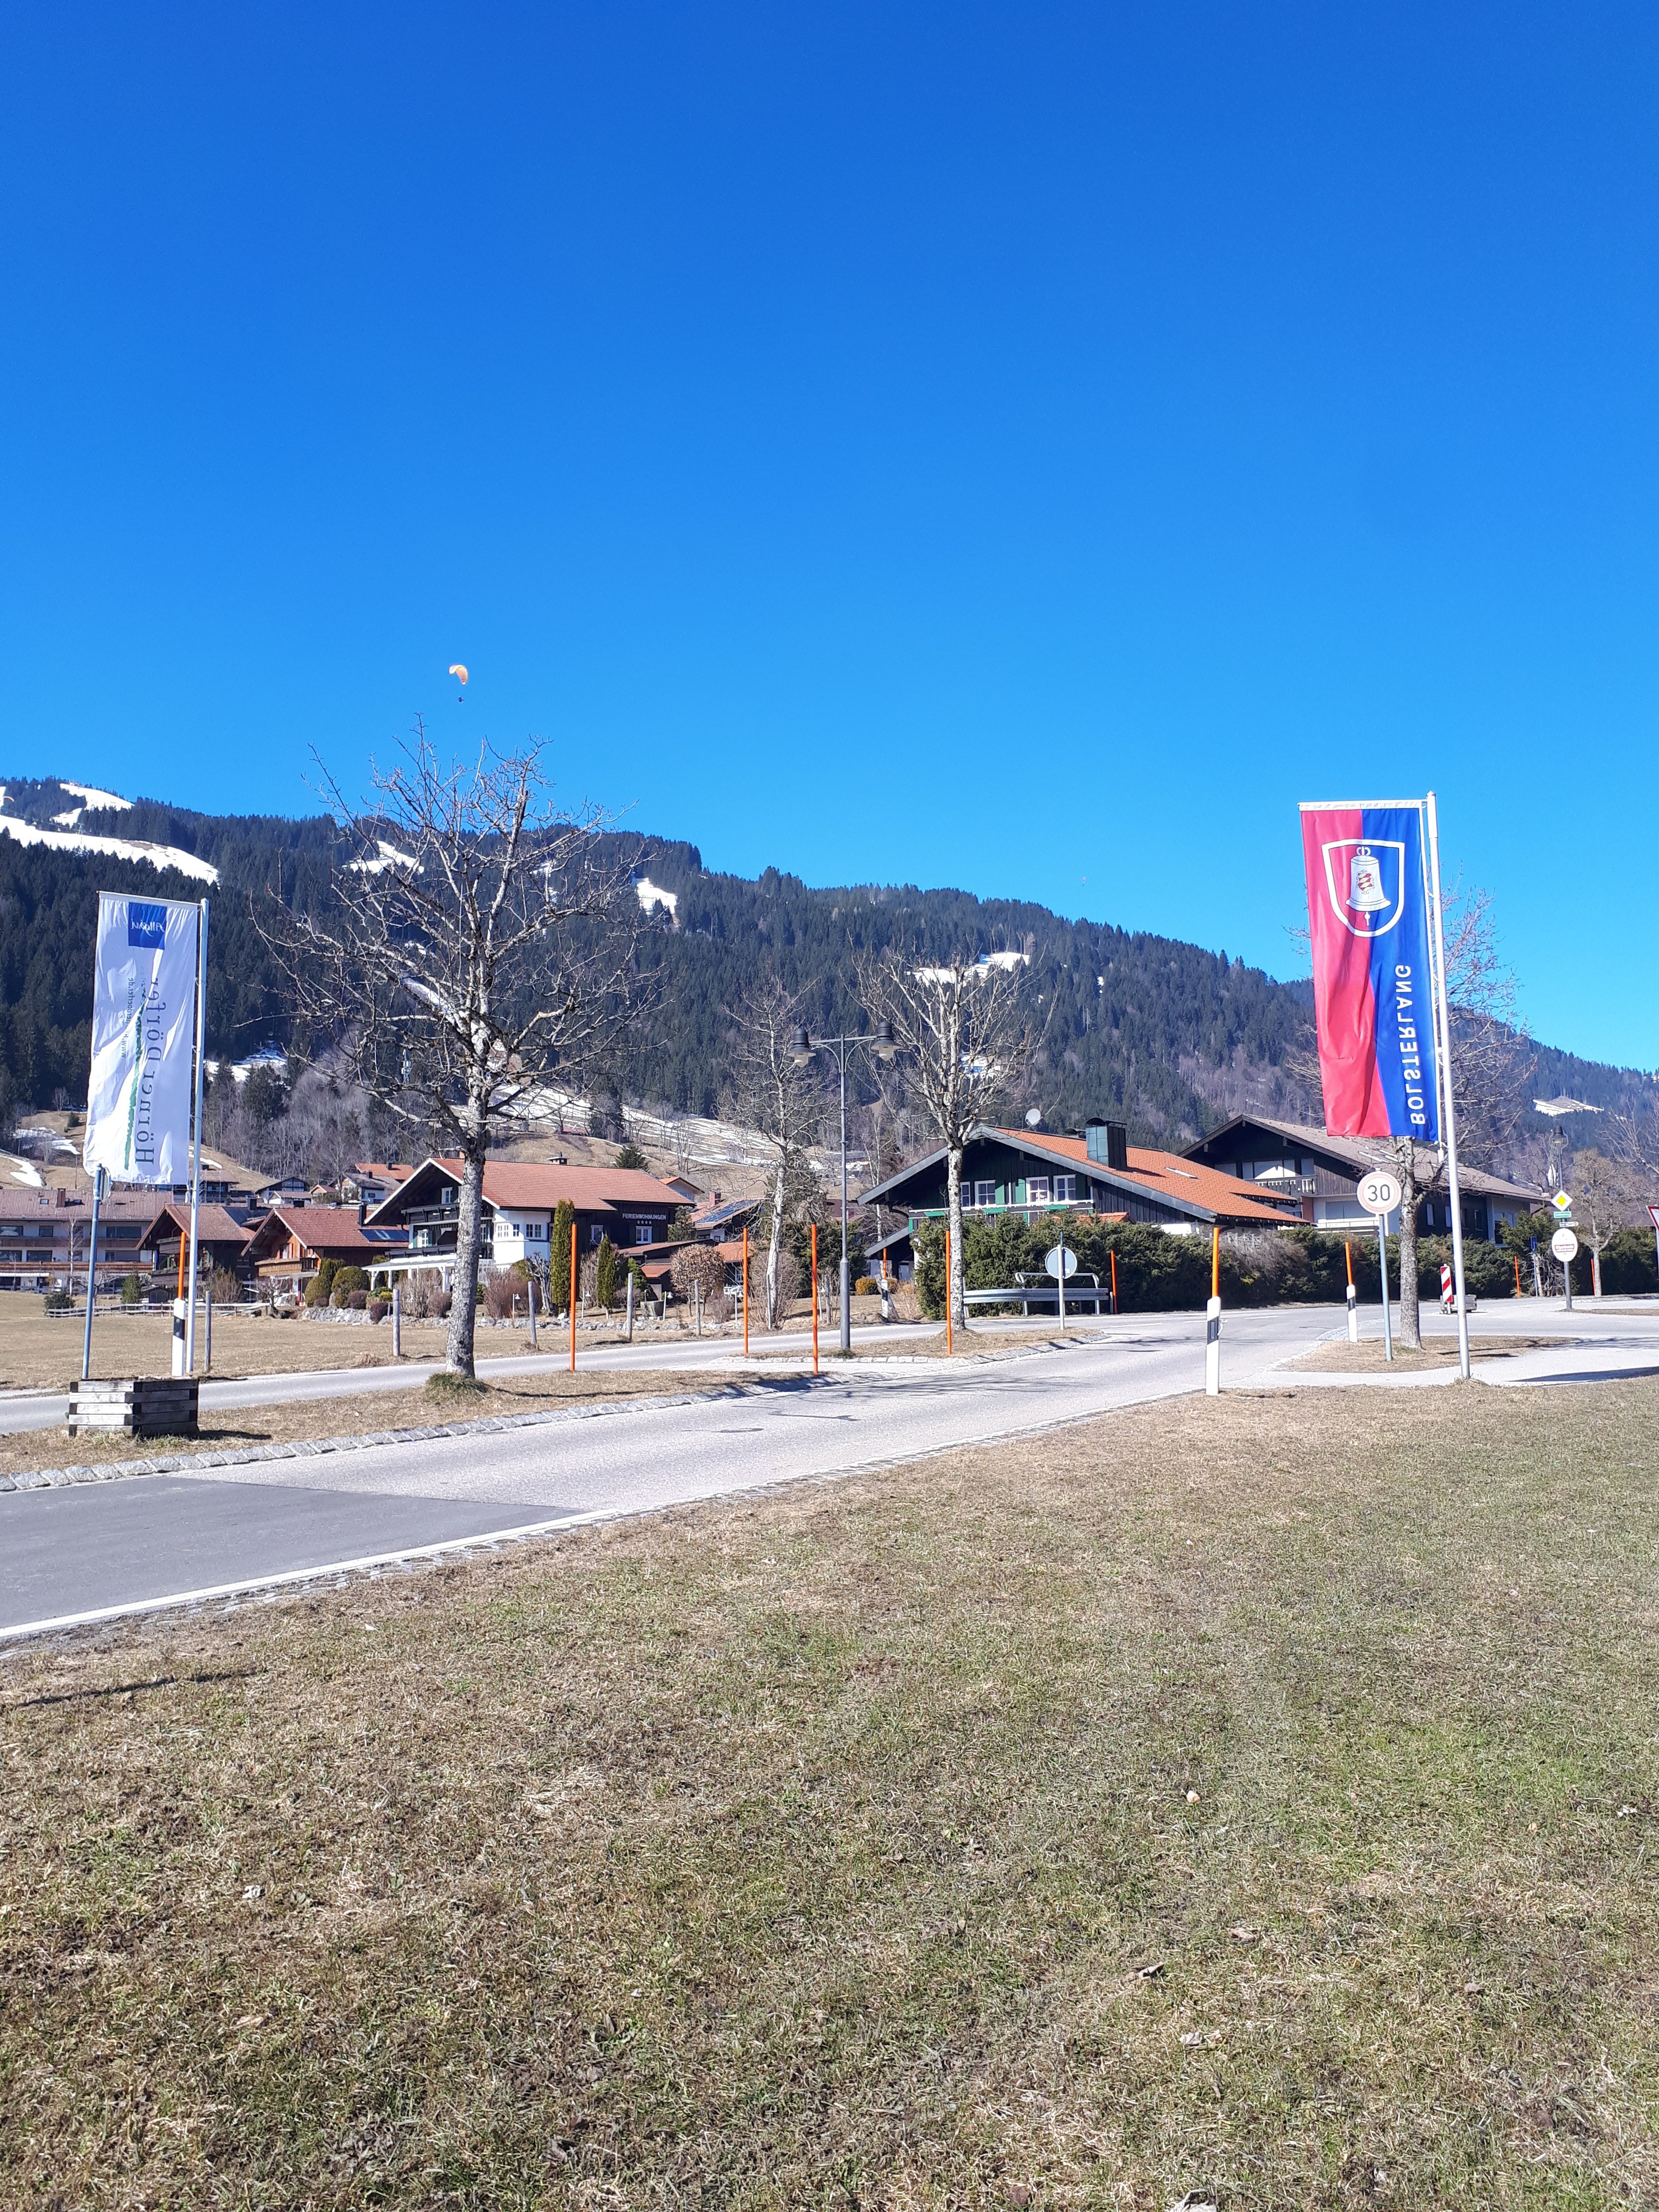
x,y
1163,1035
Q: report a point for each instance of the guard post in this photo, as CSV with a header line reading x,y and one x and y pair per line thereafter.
x,y
1212,1320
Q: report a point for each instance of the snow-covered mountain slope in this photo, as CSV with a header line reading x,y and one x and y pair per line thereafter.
x,y
120,849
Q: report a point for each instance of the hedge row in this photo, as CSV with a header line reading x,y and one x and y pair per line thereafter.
x,y
1157,1272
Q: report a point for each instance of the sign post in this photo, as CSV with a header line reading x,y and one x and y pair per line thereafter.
x,y
1061,1263
1653,1216
1565,1245
1380,1194
1212,1320
1353,1296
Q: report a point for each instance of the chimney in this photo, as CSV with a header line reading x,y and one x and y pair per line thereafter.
x,y
1109,1144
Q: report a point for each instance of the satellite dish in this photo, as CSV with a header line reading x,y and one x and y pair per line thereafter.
x,y
1034,1117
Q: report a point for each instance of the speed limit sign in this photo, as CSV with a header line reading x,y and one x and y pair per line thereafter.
x,y
1380,1192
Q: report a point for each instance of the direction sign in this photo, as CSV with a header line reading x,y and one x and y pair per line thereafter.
x,y
1059,1262
1380,1192
1564,1244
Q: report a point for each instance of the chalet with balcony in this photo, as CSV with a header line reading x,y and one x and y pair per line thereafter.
x,y
519,1200
1027,1172
288,1246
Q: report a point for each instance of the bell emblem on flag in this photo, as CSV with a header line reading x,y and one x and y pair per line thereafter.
x,y
1366,891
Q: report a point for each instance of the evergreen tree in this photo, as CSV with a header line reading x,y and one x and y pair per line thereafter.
x,y
605,1275
558,1256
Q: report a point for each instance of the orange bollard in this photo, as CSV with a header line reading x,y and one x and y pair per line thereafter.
x,y
1114,1259
574,1280
745,1294
950,1346
815,1297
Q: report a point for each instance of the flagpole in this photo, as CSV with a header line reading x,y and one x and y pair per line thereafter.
x,y
1443,1011
196,1179
92,1272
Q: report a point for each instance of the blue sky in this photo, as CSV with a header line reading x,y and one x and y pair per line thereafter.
x,y
1002,446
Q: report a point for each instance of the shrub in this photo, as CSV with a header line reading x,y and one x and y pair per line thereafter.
x,y
1628,1262
378,1310
357,1300
700,1264
349,1279
322,1283
133,1289
59,1301
558,1255
499,1285
866,1287
605,1272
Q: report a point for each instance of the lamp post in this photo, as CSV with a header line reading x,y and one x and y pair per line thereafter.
x,y
803,1045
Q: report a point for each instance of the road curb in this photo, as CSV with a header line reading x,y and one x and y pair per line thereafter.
x,y
64,1478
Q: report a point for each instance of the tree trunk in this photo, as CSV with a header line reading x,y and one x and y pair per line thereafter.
x,y
469,1227
774,1244
1595,1270
953,1288
1410,1331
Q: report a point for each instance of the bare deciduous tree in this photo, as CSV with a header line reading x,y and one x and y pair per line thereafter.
x,y
1605,1198
482,940
778,1100
964,1039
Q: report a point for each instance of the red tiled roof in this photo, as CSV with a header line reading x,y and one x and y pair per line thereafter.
x,y
1166,1175
540,1185
324,1228
215,1224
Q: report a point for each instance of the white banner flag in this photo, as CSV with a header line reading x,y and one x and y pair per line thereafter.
x,y
143,1006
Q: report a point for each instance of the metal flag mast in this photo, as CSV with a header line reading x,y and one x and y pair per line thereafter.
x,y
195,1176
1449,1118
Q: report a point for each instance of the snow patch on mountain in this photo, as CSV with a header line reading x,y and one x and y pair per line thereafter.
x,y
389,857
93,796
651,896
118,848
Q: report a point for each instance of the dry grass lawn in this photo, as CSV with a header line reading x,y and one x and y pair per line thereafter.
x,y
314,1417
1255,1799
38,1352
1366,1358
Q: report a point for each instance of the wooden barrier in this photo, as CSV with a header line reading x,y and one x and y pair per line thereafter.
x,y
135,1406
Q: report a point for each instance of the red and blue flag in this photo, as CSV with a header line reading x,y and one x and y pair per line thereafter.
x,y
1367,916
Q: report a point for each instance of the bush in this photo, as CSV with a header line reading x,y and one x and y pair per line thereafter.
x,y
59,1301
866,1287
378,1310
349,1279
702,1265
322,1283
133,1289
499,1286
357,1301
605,1272
1628,1263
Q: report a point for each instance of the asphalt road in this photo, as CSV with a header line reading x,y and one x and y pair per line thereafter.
x,y
99,1549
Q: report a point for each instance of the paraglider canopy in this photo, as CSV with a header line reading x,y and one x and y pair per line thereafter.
x,y
459,668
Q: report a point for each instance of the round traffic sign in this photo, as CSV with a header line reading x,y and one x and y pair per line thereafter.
x,y
1380,1192
1564,1244
1060,1262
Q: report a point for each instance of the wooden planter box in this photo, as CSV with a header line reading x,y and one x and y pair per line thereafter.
x,y
135,1406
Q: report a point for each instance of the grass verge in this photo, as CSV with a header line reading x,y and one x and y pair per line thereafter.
x,y
1254,1798
306,1420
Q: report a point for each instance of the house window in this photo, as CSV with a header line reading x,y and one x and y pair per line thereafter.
x,y
596,1234
1036,1190
1065,1189
984,1193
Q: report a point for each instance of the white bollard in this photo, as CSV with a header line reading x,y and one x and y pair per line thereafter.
x,y
180,1308
532,1287
1212,1349
630,1305
396,1322
1353,1315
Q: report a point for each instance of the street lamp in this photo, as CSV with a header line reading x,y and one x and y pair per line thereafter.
x,y
802,1046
